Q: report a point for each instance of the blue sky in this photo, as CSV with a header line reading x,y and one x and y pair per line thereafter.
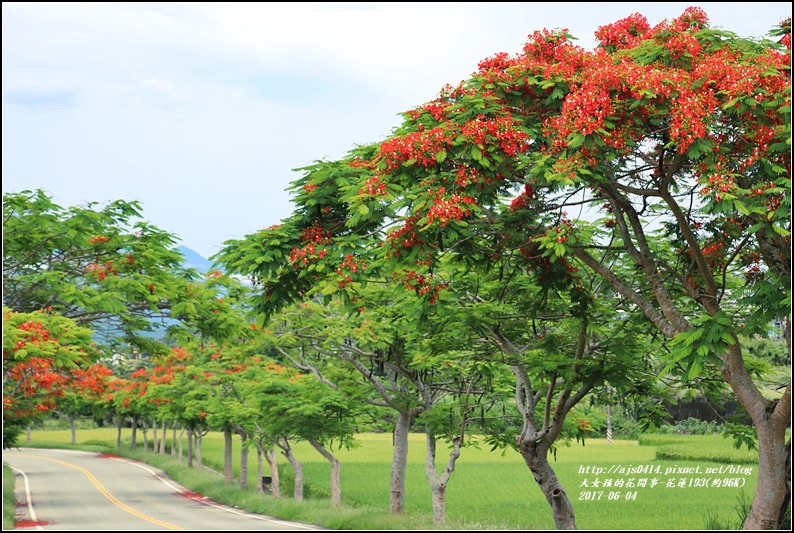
x,y
200,111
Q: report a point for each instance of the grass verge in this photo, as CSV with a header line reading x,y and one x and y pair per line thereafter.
x,y
9,502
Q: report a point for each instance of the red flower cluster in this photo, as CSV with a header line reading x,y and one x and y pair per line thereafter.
x,y
423,285
374,187
625,33
546,45
438,109
445,209
310,251
418,147
718,182
466,175
100,271
404,237
520,201
349,264
504,130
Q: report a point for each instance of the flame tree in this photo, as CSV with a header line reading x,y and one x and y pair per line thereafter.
x,y
44,354
102,266
670,144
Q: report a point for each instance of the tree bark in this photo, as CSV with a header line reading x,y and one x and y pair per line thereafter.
x,y
145,430
536,457
773,489
399,462
118,432
275,480
134,434
296,465
438,482
260,483
163,438
336,491
228,473
534,444
243,463
787,502
197,448
70,418
189,447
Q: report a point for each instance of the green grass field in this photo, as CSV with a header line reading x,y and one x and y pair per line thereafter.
x,y
8,498
488,490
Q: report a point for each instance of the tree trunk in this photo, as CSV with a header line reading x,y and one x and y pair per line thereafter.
x,y
773,489
173,441
145,430
399,462
438,482
163,438
275,481
243,463
134,434
260,483
438,494
154,435
70,418
787,502
118,432
197,449
296,465
181,439
189,447
535,455
228,473
770,419
29,430
336,491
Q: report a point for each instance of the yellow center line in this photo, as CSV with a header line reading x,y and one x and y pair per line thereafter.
x,y
115,501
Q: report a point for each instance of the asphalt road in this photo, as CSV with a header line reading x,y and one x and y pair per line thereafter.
x,y
73,490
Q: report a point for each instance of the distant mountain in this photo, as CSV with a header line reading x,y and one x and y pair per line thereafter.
x,y
203,265
194,260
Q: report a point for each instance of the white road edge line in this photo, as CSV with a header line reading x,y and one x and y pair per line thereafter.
x,y
212,504
28,499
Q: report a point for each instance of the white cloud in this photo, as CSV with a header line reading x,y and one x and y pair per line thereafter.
x,y
200,110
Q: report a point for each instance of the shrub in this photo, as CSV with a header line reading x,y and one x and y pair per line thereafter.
x,y
690,451
691,426
659,439
772,350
